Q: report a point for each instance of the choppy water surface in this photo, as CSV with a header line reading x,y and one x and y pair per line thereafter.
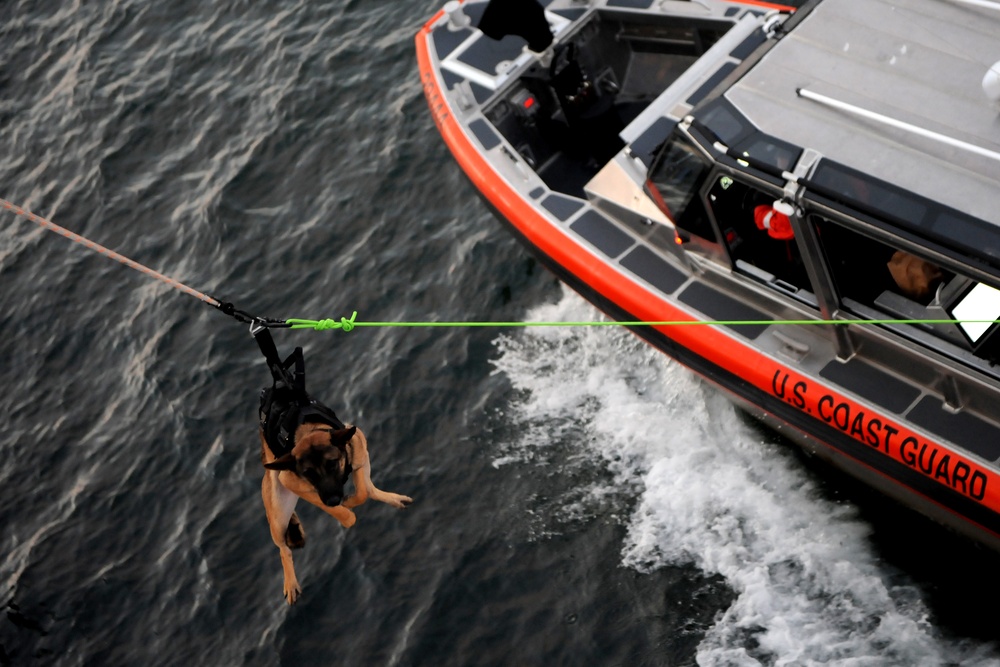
x,y
580,499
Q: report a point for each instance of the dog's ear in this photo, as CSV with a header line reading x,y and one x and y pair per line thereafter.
x,y
286,462
343,436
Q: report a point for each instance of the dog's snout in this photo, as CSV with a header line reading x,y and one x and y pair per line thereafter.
x,y
332,500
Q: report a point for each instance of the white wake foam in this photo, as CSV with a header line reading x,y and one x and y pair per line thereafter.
x,y
718,492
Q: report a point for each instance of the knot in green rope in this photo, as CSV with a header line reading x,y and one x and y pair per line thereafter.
x,y
324,325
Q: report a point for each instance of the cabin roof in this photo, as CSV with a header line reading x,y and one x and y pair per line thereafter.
x,y
921,62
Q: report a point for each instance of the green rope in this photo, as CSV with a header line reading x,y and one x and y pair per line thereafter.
x,y
348,324
323,325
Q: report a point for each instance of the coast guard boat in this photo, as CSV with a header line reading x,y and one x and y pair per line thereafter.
x,y
765,166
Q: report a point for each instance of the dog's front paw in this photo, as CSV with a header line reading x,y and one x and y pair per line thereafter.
x,y
292,592
398,501
348,520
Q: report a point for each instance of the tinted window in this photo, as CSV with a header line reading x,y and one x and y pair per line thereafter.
x,y
729,126
851,186
724,121
859,264
769,151
968,233
753,249
872,274
953,230
674,181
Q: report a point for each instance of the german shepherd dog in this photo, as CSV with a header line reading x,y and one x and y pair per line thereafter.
x,y
316,455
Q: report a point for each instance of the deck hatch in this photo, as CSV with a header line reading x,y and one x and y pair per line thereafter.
x,y
719,306
609,239
872,384
644,263
972,433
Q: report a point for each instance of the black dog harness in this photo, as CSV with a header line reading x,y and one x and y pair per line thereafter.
x,y
285,405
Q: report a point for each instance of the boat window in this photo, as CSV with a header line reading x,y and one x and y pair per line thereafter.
x,y
675,178
872,275
865,269
759,238
769,150
854,187
724,121
953,230
972,236
726,124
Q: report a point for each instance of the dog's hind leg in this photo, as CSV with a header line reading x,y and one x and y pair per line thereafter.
x,y
295,536
279,505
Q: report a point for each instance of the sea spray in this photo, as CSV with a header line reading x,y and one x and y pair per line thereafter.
x,y
715,490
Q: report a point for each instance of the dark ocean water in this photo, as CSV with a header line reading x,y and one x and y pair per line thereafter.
x,y
579,499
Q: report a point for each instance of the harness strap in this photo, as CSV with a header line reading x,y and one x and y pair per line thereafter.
x,y
279,368
285,405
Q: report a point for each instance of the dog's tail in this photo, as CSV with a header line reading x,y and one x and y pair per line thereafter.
x,y
295,535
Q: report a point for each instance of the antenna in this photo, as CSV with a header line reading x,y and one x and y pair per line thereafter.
x,y
893,122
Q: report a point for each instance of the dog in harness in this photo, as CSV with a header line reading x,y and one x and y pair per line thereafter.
x,y
307,453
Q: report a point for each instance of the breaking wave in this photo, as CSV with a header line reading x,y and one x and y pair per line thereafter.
x,y
712,489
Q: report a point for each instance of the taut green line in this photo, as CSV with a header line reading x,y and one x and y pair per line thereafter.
x,y
347,324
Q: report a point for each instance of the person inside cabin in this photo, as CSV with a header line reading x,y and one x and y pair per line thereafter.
x,y
915,277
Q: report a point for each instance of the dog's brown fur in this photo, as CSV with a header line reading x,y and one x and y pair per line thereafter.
x,y
281,489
